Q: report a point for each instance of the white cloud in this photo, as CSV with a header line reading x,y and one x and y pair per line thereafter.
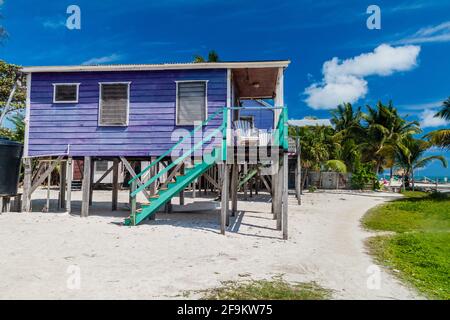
x,y
343,81
437,33
106,59
422,106
428,119
54,23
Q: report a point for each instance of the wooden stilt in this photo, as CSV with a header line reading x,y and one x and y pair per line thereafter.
x,y
285,198
279,195
224,206
182,191
26,202
47,203
152,187
62,184
274,194
85,187
133,201
115,184
234,187
91,187
298,184
69,184
245,184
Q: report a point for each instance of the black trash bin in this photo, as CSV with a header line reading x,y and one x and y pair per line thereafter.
x,y
10,155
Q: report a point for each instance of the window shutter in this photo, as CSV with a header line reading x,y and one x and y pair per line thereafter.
x,y
114,104
191,102
66,93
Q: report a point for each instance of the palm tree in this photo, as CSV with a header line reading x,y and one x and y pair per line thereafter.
x,y
317,148
414,158
445,111
385,132
345,118
199,59
349,134
212,57
441,138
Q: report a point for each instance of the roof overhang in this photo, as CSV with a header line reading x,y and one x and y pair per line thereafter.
x,y
168,66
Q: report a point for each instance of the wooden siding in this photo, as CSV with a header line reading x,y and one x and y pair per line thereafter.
x,y
151,115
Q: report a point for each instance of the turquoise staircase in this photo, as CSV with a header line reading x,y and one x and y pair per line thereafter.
x,y
182,179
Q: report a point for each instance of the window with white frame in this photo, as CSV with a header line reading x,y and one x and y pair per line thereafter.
x,y
114,104
191,102
65,92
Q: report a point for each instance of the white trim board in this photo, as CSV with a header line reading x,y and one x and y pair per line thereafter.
x,y
65,84
174,66
177,100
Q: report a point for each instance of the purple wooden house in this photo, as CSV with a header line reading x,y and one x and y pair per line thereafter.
x,y
129,113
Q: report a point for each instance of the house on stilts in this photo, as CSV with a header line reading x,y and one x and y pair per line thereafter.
x,y
167,125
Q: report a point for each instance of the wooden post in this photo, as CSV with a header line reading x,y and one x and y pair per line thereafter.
x,y
115,184
26,202
69,184
133,200
47,203
153,172
245,184
279,195
234,191
62,184
91,187
299,184
274,192
285,198
85,187
224,206
182,191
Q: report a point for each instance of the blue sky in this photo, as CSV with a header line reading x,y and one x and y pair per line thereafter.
x,y
308,32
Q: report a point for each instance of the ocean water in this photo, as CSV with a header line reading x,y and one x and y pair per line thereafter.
x,y
440,179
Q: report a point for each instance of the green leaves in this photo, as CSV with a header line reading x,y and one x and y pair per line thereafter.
x,y
9,73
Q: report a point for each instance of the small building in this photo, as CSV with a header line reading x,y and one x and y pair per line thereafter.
x,y
132,114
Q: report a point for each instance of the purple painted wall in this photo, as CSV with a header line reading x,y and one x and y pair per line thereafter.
x,y
151,114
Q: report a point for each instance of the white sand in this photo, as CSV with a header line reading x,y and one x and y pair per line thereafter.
x,y
179,252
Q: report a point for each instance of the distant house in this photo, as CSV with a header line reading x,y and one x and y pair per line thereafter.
x,y
310,123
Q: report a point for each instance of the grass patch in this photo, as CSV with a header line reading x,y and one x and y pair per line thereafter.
x,y
276,289
420,250
419,211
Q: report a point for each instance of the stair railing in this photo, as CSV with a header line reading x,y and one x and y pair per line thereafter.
x,y
281,130
168,152
222,128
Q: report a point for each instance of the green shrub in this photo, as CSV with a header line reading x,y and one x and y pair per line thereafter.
x,y
364,176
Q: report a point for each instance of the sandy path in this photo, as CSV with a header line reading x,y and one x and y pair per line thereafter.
x,y
180,252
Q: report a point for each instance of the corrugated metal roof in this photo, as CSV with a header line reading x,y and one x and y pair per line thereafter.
x,y
161,66
310,123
